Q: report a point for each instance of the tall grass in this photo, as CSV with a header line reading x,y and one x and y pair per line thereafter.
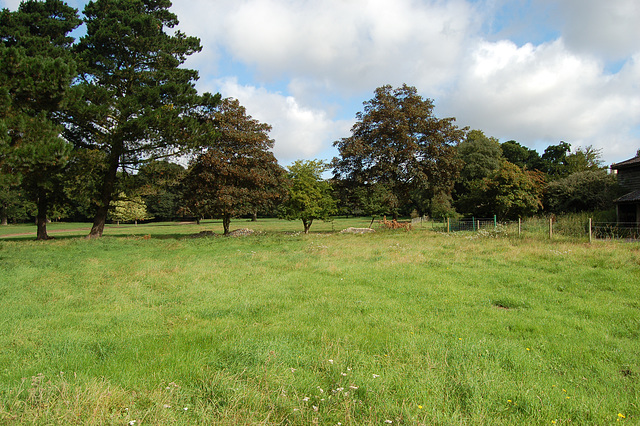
x,y
411,328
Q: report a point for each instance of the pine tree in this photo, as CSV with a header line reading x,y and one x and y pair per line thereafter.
x,y
37,70
139,103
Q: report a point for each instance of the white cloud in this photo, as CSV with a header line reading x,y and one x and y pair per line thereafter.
x,y
305,66
545,94
298,131
357,45
609,28
9,4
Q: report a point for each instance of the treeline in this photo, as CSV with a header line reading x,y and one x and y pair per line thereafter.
x,y
97,129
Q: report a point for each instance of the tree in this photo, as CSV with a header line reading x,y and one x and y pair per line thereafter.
x,y
584,159
240,175
554,159
13,204
139,103
508,192
587,190
309,195
158,183
521,156
399,144
83,179
481,155
35,84
129,209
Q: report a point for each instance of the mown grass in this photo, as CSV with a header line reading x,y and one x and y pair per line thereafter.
x,y
58,230
284,328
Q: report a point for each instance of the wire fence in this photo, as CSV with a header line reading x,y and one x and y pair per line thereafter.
x,y
570,227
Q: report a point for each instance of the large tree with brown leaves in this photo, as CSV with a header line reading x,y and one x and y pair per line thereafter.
x,y
399,145
239,175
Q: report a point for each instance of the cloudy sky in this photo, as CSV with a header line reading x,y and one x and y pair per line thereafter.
x,y
535,71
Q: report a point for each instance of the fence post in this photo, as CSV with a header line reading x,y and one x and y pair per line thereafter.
x,y
590,234
495,221
478,224
448,226
519,227
473,223
550,228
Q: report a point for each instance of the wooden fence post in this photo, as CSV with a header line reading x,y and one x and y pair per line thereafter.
x,y
448,226
519,226
550,228
590,233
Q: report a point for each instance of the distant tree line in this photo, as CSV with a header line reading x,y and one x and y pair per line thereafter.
x,y
110,127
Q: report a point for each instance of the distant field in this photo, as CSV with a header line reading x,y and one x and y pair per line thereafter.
x,y
175,229
146,326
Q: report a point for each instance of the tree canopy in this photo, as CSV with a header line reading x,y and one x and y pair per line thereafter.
x,y
35,84
398,144
239,174
310,195
82,122
508,192
139,102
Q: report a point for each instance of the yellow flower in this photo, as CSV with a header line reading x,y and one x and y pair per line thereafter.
x,y
622,416
420,407
508,400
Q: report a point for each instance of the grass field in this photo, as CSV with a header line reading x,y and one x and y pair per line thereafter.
x,y
148,326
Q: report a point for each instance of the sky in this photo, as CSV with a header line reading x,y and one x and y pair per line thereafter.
x,y
534,71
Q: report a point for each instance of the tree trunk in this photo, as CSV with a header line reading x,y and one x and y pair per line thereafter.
x,y
226,221
307,225
41,220
3,215
254,217
100,219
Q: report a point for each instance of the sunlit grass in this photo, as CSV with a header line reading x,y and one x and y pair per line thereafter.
x,y
412,328
176,229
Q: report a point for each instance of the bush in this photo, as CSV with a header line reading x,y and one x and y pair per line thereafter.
x,y
582,191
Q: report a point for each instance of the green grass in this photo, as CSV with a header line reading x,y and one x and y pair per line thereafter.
x,y
284,328
174,229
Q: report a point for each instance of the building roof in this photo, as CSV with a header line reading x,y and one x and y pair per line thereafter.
x,y
635,161
632,197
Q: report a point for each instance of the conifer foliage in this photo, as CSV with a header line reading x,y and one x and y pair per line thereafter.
x,y
139,103
35,84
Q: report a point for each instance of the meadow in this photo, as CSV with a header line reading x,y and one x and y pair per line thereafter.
x,y
148,325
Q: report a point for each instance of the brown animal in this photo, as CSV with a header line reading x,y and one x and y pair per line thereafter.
x,y
394,224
